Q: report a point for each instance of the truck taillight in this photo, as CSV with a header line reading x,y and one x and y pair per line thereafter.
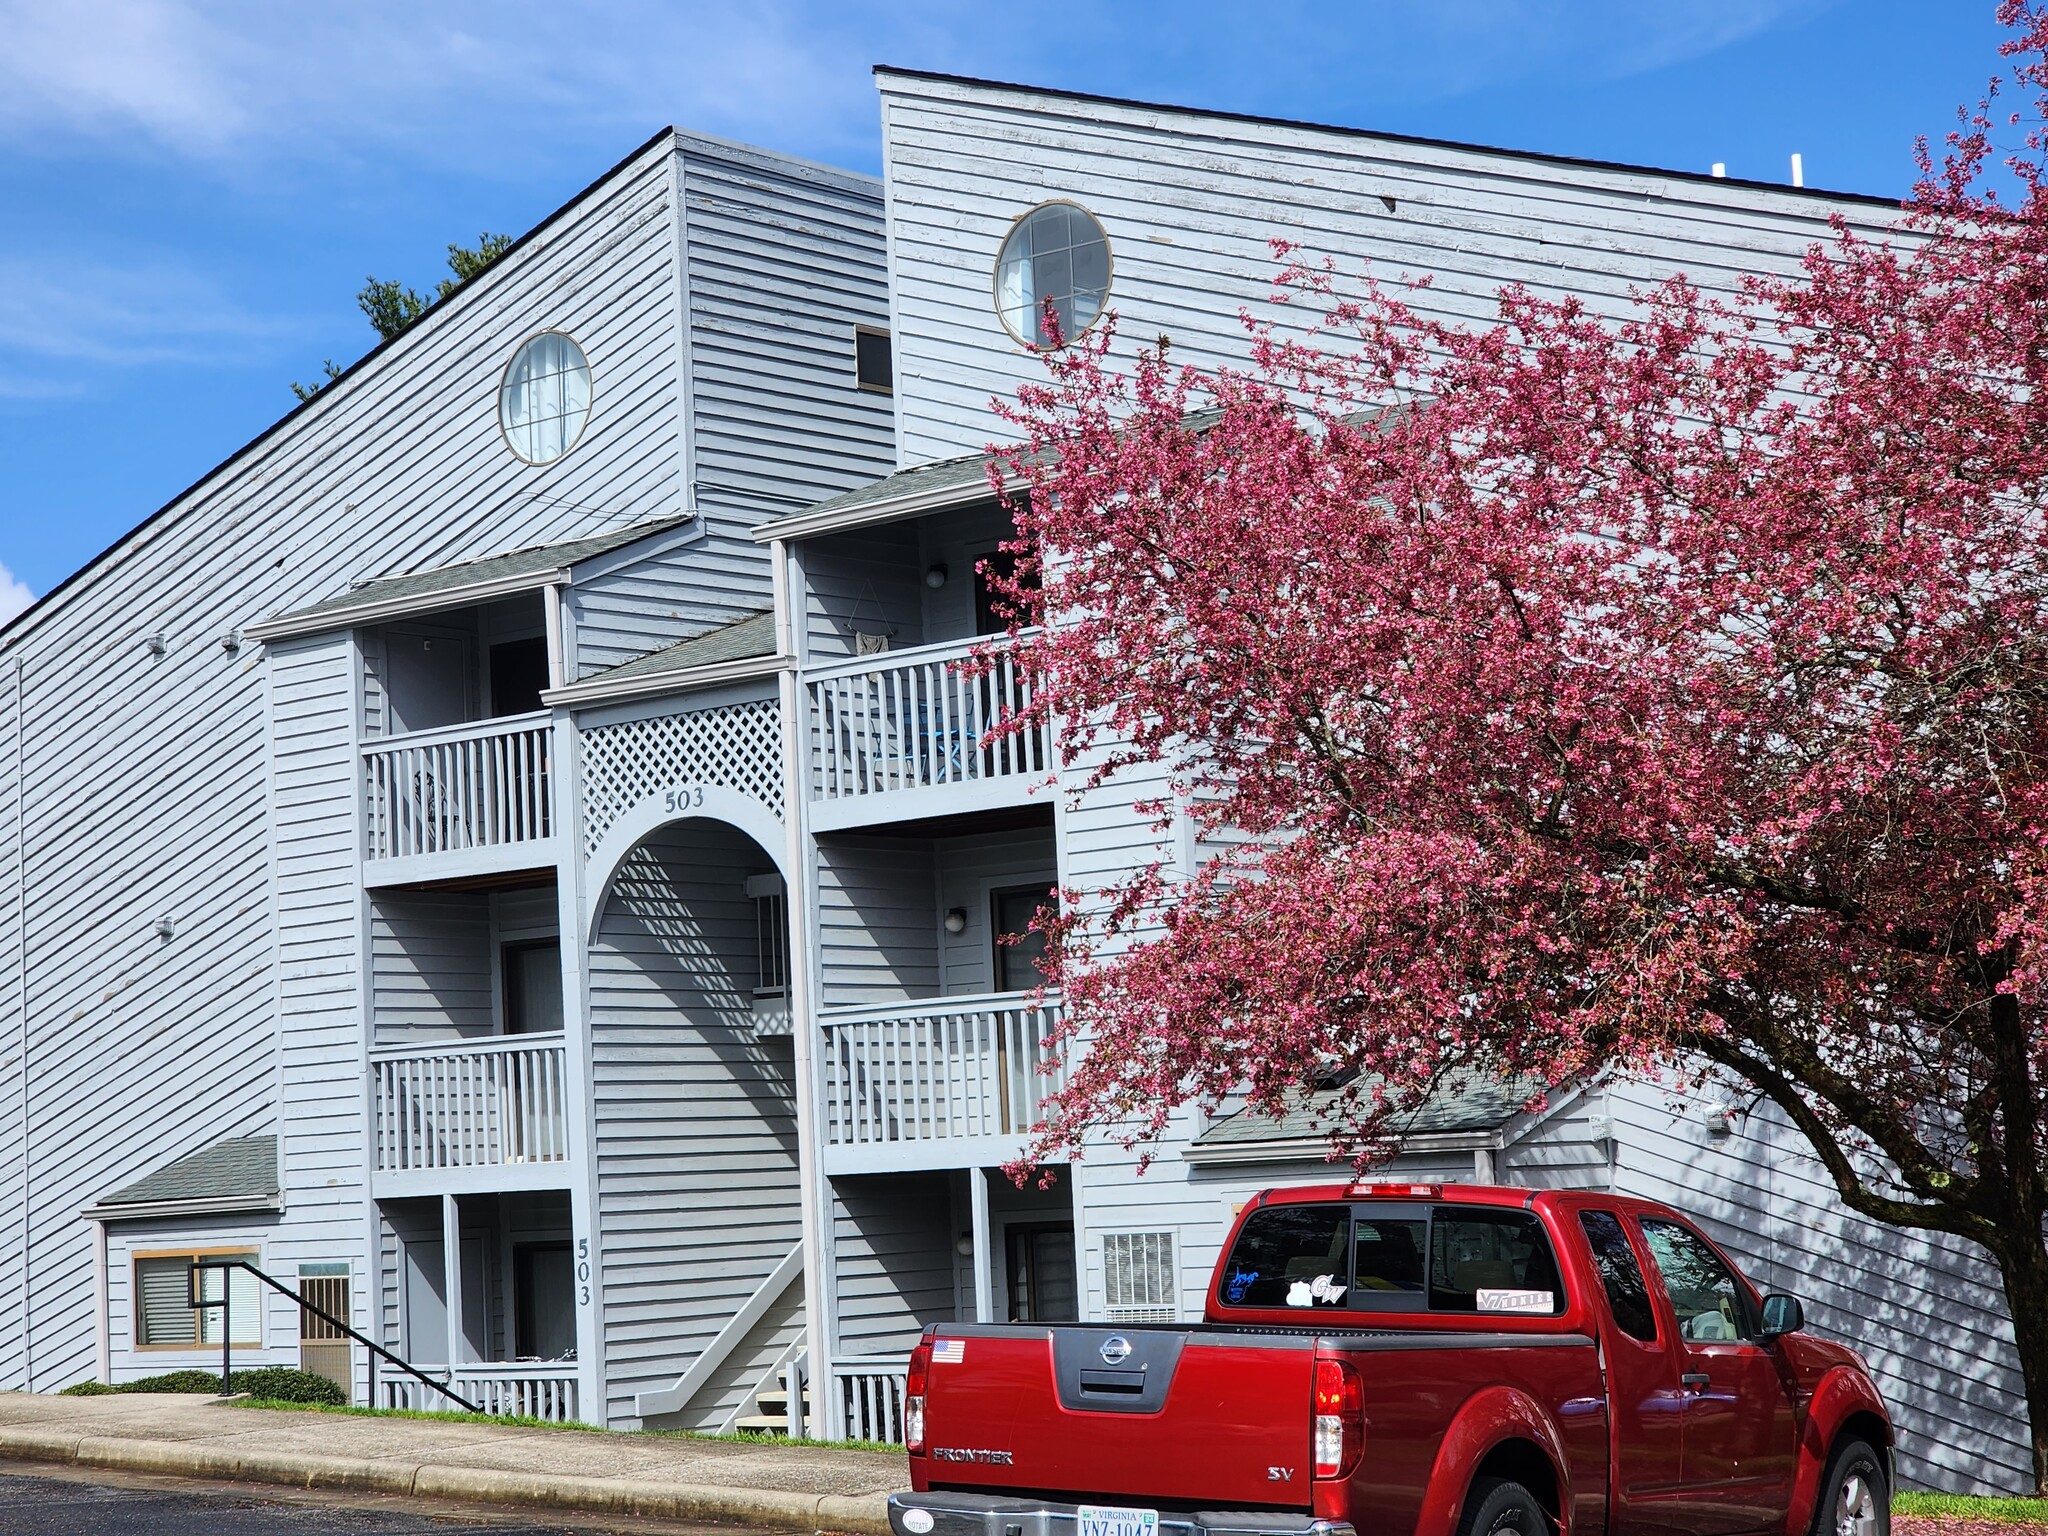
x,y
913,1397
1339,1418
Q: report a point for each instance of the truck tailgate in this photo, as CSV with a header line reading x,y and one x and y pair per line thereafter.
x,y
1212,1418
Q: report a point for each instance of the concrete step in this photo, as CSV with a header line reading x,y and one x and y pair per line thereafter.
x,y
762,1424
776,1400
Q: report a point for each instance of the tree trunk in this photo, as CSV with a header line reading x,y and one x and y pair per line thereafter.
x,y
2024,1265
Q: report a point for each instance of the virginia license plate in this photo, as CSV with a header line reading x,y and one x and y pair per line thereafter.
x,y
1109,1520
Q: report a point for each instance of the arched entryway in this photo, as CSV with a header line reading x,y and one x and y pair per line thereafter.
x,y
694,1119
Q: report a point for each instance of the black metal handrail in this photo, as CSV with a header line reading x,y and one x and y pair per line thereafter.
x,y
377,1351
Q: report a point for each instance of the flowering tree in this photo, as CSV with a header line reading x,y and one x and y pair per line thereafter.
x,y
1658,690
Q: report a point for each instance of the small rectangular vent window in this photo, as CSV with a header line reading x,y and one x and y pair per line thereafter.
x,y
874,363
1139,1281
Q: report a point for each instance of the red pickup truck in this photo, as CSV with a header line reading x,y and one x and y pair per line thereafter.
x,y
1412,1360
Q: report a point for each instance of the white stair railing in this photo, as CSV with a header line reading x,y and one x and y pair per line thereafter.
x,y
927,1071
870,1391
474,1104
474,786
915,719
527,1388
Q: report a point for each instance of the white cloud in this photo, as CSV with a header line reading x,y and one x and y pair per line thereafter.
x,y
62,309
509,82
240,78
14,595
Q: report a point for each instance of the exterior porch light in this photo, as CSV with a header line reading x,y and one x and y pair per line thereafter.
x,y
935,575
956,920
964,1245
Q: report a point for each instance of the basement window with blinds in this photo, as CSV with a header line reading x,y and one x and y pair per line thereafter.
x,y
1139,1280
164,1320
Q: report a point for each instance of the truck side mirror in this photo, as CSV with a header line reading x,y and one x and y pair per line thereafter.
x,y
1782,1315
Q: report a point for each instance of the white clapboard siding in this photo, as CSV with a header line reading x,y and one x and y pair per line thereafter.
x,y
894,1260
878,925
869,582
146,785
430,966
694,1116
970,869
1189,202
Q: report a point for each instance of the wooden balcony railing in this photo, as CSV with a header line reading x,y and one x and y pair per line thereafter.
x,y
458,789
929,1071
469,1104
871,1396
913,719
538,1389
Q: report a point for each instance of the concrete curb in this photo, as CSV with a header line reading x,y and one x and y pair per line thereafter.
x,y
866,1514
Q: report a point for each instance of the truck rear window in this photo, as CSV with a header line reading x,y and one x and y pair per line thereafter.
x,y
1394,1258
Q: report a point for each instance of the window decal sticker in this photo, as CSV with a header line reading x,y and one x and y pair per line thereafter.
x,y
1491,1300
1240,1282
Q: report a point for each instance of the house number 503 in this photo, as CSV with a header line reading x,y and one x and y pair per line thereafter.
x,y
583,1271
687,797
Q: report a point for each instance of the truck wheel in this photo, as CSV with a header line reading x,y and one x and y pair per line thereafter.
x,y
1496,1507
1855,1498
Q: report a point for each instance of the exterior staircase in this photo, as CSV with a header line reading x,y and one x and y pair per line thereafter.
x,y
771,1412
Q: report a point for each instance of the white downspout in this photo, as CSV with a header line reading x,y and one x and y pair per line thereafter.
x,y
28,1363
103,1345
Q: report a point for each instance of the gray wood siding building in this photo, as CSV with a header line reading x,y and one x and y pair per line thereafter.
x,y
637,1033
218,961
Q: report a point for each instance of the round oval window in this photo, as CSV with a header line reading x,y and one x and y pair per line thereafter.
x,y
545,398
1052,274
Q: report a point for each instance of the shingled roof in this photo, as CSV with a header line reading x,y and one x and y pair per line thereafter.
x,y
1466,1105
531,566
237,1174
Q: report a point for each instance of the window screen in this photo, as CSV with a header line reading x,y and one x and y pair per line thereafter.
x,y
1484,1260
1622,1278
1139,1280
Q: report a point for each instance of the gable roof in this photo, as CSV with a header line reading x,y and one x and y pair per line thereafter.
x,y
239,1174
929,487
717,655
1469,1107
519,570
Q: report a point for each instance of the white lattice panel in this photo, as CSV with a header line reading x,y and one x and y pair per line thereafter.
x,y
736,746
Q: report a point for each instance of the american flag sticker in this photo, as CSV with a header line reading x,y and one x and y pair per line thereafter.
x,y
949,1351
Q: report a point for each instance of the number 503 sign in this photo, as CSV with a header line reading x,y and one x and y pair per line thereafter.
x,y
684,797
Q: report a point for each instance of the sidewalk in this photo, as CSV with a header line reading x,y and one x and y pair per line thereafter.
x,y
787,1487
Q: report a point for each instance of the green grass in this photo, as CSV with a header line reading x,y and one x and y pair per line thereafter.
x,y
1966,1506
459,1416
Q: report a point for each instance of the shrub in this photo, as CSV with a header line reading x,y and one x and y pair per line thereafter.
x,y
87,1389
188,1380
282,1384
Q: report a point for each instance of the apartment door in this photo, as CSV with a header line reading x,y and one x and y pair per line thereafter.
x,y
1044,1285
323,1348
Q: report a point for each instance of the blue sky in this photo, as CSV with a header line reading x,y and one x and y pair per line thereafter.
x,y
193,192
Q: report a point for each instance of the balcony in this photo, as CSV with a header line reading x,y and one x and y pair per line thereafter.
x,y
471,1115
953,1082
900,736
461,800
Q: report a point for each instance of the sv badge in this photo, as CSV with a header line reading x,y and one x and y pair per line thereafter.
x,y
1279,1474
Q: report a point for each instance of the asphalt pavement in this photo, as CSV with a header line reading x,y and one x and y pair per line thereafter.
x,y
76,1503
